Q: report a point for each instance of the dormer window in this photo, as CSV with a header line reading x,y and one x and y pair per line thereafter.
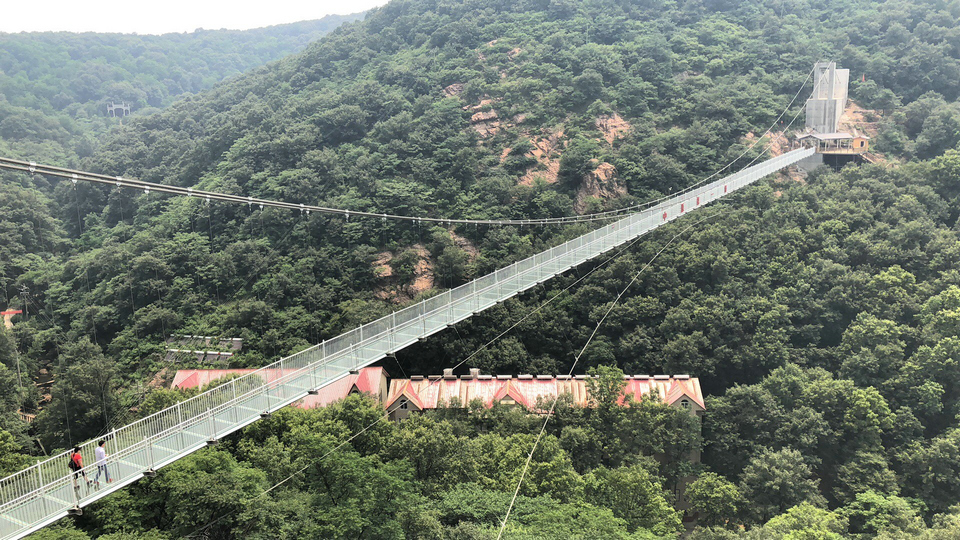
x,y
403,405
685,404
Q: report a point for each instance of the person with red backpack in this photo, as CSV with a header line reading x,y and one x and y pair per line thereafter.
x,y
76,465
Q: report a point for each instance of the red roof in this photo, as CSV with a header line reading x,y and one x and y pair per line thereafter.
x,y
670,389
685,388
435,391
405,390
368,380
512,391
192,378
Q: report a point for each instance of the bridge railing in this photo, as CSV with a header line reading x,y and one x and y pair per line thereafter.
x,y
44,492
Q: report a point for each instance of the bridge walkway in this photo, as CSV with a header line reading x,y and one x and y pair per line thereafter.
x,y
44,493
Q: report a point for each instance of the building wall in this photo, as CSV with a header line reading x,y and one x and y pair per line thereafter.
x,y
398,415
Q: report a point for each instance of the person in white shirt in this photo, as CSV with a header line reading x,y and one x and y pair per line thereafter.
x,y
100,453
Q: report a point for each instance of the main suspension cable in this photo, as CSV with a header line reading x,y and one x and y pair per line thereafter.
x,y
148,187
119,181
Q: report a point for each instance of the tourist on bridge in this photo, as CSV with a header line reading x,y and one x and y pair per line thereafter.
x,y
101,454
76,465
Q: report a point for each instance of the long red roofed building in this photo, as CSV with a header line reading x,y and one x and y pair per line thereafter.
x,y
420,393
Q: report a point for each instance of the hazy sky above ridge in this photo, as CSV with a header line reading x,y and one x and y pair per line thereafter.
x,y
166,16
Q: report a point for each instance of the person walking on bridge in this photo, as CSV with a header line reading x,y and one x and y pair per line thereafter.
x,y
76,465
101,454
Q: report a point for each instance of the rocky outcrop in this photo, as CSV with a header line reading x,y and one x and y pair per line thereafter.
x,y
466,245
612,126
546,150
485,119
484,116
390,289
453,90
601,183
856,118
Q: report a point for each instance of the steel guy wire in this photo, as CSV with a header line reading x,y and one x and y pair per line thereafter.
x,y
792,120
433,381
387,413
553,406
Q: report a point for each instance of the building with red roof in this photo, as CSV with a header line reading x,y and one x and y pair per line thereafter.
x,y
533,392
369,380
419,393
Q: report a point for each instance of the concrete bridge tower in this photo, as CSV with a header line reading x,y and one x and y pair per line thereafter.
x,y
829,98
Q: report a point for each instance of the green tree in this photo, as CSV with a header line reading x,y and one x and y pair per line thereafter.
x,y
439,458
453,266
931,470
10,403
84,396
715,500
774,481
11,460
404,266
208,489
805,522
873,351
576,520
946,169
61,532
361,497
866,471
941,132
605,385
500,462
577,160
872,513
635,496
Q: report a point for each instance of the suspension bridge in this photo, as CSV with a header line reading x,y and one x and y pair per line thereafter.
x,y
43,493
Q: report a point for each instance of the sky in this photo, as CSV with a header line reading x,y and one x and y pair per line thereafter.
x,y
167,15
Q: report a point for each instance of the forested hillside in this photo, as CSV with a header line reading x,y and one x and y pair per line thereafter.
x,y
820,313
55,86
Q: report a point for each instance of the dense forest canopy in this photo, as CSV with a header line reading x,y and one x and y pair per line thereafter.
x,y
55,86
820,313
